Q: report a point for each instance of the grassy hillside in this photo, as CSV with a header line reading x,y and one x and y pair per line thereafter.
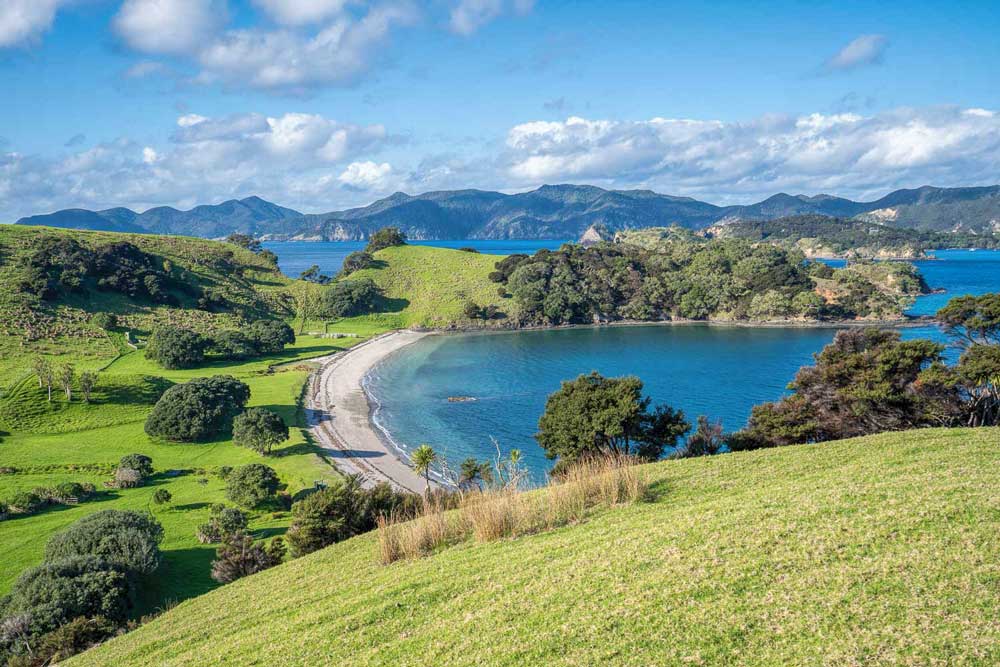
x,y
879,550
61,329
428,287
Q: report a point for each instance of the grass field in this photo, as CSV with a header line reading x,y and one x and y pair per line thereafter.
x,y
875,551
54,442
428,287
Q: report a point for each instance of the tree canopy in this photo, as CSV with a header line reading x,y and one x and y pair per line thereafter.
x,y
259,429
594,415
348,298
385,238
197,410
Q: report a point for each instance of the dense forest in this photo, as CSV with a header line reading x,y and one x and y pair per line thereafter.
x,y
726,279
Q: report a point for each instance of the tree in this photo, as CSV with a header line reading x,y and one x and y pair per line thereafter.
x,y
46,376
104,320
138,462
224,522
54,593
471,310
259,429
67,373
385,238
348,298
251,485
233,345
175,348
269,336
972,320
328,516
88,381
314,275
127,478
978,372
475,473
162,497
708,439
244,241
865,381
126,538
597,416
240,556
423,458
197,410
356,261
307,302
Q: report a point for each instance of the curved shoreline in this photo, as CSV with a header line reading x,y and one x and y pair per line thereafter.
x,y
339,414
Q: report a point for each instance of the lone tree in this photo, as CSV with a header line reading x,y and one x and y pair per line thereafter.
x,y
175,348
259,429
88,381
423,458
141,463
598,416
350,297
252,484
385,238
162,497
197,410
268,336
356,261
67,373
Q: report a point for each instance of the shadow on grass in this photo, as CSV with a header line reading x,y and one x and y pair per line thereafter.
x,y
190,506
183,574
265,533
145,392
100,497
656,491
385,304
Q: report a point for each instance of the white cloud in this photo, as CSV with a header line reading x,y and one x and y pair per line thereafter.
x,y
366,175
845,154
301,12
863,50
468,16
25,20
177,27
285,61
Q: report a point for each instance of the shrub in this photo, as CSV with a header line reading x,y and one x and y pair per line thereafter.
x,y
468,249
67,490
175,348
385,238
338,512
348,298
471,310
233,345
259,429
125,538
356,261
74,637
55,592
127,478
197,410
269,336
162,497
138,462
252,484
238,557
224,522
106,321
25,502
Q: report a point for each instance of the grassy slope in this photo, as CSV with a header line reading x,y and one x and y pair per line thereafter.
x,y
428,287
59,441
880,550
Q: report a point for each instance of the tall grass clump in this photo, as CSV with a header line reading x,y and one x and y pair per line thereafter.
x,y
507,511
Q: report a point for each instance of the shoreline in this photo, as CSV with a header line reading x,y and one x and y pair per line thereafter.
x,y
339,414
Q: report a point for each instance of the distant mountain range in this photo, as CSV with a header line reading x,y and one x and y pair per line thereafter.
x,y
551,211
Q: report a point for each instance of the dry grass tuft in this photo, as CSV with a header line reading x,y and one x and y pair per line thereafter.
x,y
499,513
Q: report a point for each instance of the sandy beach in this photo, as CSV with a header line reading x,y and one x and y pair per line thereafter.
x,y
339,414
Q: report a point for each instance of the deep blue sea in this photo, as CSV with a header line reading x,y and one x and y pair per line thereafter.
x,y
717,371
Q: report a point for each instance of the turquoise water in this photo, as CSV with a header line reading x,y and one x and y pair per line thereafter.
x,y
294,257
718,371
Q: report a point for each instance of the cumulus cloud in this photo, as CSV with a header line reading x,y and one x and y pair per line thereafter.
x,y
22,21
846,154
176,27
295,159
366,175
301,12
861,51
468,16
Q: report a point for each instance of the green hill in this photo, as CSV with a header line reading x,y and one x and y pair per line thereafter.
x,y
425,286
879,550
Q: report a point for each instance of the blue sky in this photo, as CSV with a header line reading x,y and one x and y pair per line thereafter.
x,y
322,104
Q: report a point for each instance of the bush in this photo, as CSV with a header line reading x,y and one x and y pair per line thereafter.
x,y
349,298
385,238
175,348
67,490
125,538
269,336
341,511
106,321
356,261
55,592
471,310
240,556
74,637
138,462
259,429
468,249
224,522
127,478
252,484
162,497
25,502
233,345
197,410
